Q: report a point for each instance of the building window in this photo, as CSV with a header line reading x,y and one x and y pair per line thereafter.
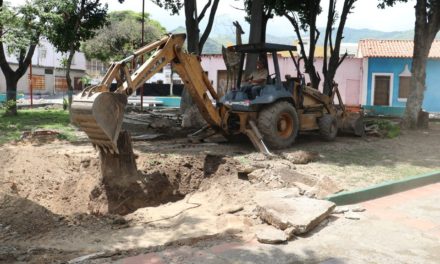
x,y
38,82
60,84
404,84
48,71
404,87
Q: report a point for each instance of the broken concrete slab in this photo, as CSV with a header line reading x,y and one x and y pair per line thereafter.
x,y
357,209
270,235
161,123
340,210
285,193
290,233
299,212
231,209
301,156
352,216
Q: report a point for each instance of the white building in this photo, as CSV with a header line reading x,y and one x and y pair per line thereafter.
x,y
48,74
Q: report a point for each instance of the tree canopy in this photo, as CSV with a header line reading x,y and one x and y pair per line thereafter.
x,y
121,36
20,30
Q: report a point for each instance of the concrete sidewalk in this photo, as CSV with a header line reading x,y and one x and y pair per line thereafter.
x,y
400,228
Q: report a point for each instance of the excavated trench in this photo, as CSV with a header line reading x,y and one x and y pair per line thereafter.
x,y
160,179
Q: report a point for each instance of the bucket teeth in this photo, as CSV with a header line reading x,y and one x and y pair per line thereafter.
x,y
100,116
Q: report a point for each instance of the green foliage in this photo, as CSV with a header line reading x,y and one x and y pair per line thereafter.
x,y
86,80
384,3
9,105
80,19
387,128
23,25
29,120
172,5
121,36
65,104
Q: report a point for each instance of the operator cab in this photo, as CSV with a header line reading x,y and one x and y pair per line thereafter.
x,y
246,96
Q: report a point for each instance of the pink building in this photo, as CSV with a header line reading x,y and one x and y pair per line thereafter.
x,y
349,74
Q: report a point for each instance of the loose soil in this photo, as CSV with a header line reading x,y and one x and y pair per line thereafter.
x,y
52,208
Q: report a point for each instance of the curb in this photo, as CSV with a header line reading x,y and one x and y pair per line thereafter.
x,y
384,189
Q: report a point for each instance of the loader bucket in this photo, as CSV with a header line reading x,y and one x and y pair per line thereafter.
x,y
351,123
100,116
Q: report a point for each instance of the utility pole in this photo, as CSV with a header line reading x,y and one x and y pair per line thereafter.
x,y
30,84
142,58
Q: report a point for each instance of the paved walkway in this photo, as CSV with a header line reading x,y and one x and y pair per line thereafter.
x,y
400,228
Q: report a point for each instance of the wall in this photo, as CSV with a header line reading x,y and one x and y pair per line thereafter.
x,y
348,75
23,83
45,57
396,66
212,64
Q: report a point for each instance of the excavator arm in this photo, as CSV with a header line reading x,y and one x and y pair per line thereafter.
x,y
99,112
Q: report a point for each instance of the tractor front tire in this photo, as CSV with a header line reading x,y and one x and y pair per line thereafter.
x,y
328,127
278,124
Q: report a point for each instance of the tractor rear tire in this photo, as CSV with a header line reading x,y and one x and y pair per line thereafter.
x,y
328,127
278,124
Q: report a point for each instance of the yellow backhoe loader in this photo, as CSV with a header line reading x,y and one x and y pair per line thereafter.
x,y
271,114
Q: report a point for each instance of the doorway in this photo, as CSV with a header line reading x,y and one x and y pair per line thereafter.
x,y
382,90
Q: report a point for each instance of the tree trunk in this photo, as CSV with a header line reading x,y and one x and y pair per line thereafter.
x,y
11,94
255,32
68,79
426,28
192,26
329,70
192,39
415,98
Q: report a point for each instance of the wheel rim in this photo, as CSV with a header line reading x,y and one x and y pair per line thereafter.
x,y
285,125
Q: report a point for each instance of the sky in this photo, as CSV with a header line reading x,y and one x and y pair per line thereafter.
x,y
365,15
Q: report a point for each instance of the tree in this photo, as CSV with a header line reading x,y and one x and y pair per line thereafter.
x,y
195,42
20,31
121,36
80,19
258,21
302,14
427,25
258,14
331,65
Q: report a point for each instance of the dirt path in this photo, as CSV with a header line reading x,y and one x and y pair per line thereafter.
x,y
46,190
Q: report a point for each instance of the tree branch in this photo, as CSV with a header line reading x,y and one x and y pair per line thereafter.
x,y
202,14
24,63
328,30
295,25
318,34
208,28
342,59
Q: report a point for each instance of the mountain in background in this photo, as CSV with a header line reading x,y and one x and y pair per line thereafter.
x,y
225,35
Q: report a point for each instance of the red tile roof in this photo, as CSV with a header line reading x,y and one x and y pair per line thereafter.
x,y
393,48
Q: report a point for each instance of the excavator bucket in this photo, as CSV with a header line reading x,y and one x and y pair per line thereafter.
x,y
100,116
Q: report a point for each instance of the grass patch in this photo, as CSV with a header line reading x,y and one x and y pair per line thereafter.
x,y
11,127
385,127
